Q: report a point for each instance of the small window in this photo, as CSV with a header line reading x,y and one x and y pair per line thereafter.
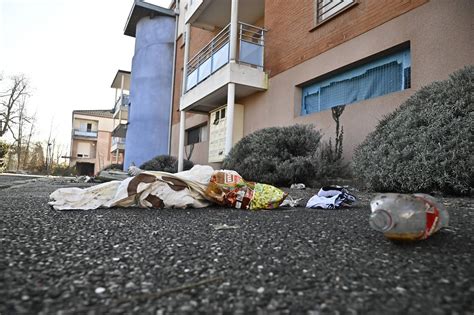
x,y
196,134
328,8
376,78
216,118
89,127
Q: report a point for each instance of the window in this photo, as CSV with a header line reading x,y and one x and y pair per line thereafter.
x,y
196,134
379,77
327,8
218,116
85,127
83,149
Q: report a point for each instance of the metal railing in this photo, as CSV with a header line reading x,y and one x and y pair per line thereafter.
x,y
121,101
251,44
118,140
209,59
85,133
327,8
215,54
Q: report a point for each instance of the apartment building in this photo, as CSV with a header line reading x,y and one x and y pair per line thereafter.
x,y
242,65
121,85
91,140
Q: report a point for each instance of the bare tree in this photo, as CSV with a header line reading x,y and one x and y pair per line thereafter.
x,y
36,162
13,114
26,155
50,145
12,99
22,122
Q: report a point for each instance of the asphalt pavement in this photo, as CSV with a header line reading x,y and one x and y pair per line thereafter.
x,y
223,261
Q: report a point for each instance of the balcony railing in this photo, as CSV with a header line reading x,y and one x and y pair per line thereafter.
x,y
215,54
118,140
85,133
121,101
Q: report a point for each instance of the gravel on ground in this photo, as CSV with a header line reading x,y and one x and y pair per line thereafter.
x,y
224,261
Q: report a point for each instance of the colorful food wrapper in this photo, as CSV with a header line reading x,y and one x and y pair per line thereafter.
x,y
228,188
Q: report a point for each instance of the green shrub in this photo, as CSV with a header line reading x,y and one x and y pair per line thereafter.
x,y
427,144
331,162
331,165
63,170
277,155
110,167
4,147
165,163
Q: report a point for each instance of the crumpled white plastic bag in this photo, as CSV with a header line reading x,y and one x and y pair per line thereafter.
x,y
147,189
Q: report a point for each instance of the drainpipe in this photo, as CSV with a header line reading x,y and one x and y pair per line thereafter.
x,y
182,118
172,76
229,131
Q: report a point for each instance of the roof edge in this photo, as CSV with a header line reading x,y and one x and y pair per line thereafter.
x,y
140,10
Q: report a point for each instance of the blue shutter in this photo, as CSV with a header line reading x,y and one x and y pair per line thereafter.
x,y
382,76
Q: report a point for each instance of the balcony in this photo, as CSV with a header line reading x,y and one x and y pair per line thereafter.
x,y
121,107
209,14
84,133
117,144
120,131
210,70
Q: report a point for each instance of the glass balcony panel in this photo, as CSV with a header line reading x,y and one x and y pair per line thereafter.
x,y
192,80
84,133
125,100
205,69
118,140
220,57
251,53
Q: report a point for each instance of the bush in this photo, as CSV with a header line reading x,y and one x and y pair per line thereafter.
x,y
4,147
331,166
277,155
165,163
110,167
426,145
63,170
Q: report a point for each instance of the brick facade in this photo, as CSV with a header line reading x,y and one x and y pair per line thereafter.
x,y
292,37
199,38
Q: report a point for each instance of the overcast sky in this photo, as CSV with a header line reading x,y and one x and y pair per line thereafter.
x,y
70,51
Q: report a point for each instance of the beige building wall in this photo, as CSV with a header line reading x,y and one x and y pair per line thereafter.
x,y
442,41
100,146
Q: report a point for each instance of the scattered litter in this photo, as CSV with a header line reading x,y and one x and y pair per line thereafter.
x,y
196,188
224,226
400,290
291,202
332,197
99,290
298,186
228,188
109,175
403,217
134,170
149,189
82,179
